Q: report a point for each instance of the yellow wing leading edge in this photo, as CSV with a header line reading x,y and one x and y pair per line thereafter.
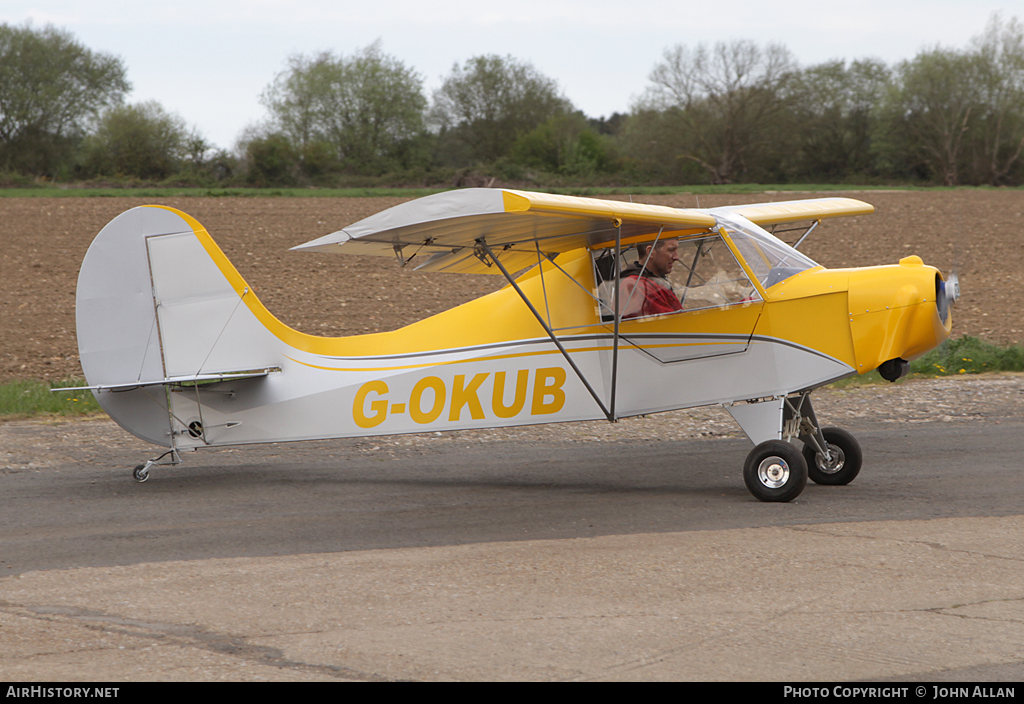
x,y
796,210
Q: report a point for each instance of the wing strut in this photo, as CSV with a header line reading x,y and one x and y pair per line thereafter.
x,y
809,231
806,232
554,338
618,312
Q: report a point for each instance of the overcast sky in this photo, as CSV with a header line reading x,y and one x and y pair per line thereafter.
x,y
209,60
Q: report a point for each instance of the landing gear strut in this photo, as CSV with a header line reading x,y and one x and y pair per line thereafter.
x,y
775,470
840,465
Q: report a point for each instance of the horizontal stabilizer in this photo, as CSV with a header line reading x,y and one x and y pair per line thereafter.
x,y
177,380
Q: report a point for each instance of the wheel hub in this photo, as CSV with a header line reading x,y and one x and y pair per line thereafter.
x,y
773,472
833,463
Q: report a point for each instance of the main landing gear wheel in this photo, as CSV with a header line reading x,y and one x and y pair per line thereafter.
x,y
844,463
775,471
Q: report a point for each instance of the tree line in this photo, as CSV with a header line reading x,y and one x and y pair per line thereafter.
x,y
730,112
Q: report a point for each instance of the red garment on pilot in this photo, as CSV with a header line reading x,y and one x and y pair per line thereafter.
x,y
657,296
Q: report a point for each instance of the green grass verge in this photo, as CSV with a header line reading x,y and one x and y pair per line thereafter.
x,y
23,399
969,355
954,357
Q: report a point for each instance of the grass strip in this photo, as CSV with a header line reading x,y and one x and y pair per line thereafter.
x,y
969,355
954,357
29,398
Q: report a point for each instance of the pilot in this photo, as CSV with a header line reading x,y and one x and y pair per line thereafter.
x,y
645,290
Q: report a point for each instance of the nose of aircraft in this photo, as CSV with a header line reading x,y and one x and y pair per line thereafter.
x,y
898,313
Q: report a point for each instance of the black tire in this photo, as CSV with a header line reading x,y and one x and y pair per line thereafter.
x,y
140,473
845,465
775,471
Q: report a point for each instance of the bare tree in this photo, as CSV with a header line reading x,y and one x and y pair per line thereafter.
x,y
724,97
938,97
835,106
1000,72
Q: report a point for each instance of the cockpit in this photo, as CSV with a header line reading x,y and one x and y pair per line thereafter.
x,y
713,269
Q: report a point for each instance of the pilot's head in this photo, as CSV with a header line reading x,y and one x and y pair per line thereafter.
x,y
662,259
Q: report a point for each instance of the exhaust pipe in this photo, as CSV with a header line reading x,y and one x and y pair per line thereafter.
x,y
893,369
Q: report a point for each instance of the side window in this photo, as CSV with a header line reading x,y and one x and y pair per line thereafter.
x,y
704,274
708,275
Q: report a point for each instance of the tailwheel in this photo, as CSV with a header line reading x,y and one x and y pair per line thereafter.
x,y
842,463
141,471
775,471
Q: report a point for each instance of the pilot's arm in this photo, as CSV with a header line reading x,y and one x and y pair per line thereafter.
x,y
644,296
632,294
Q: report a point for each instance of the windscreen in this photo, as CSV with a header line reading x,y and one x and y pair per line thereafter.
x,y
770,259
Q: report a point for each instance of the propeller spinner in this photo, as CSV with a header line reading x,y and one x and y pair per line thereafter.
x,y
947,293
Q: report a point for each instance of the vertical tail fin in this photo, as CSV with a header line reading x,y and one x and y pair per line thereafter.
x,y
152,305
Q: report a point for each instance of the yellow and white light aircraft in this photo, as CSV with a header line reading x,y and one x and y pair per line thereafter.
x,y
179,351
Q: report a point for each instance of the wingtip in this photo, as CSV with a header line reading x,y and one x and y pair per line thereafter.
x,y
322,244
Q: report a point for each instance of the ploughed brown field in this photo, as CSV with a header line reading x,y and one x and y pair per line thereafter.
x,y
45,239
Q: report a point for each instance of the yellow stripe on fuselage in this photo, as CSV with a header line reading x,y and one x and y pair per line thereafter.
x,y
517,355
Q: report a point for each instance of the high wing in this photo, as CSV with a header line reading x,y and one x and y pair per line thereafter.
x,y
443,230
795,210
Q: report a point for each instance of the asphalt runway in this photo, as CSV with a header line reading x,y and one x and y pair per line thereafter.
x,y
354,500
321,497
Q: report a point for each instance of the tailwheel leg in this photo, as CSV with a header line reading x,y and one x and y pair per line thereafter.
x,y
141,472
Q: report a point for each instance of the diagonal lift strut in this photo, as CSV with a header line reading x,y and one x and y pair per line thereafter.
x,y
609,413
